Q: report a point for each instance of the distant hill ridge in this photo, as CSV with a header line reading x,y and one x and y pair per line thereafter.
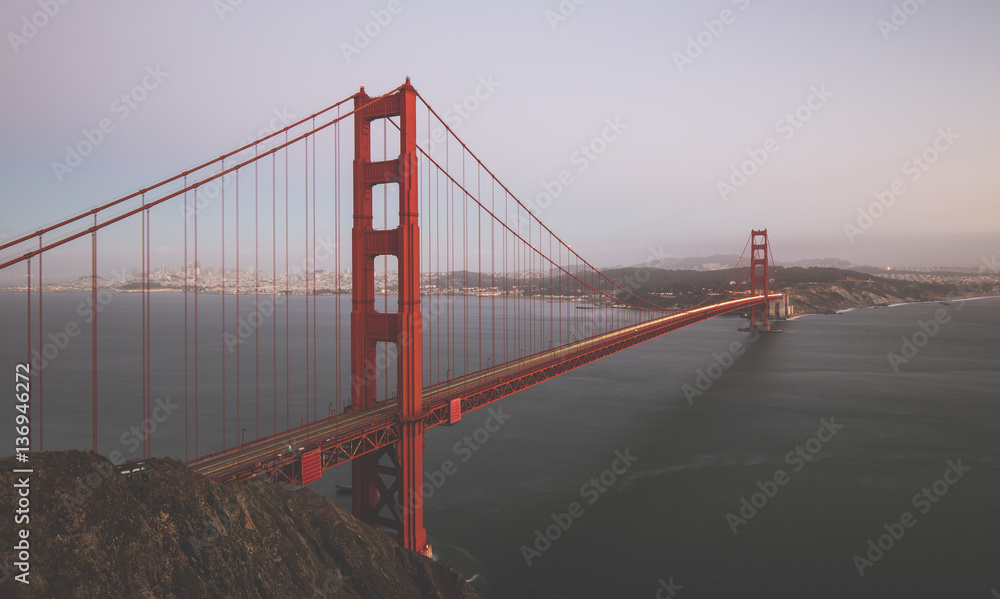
x,y
812,290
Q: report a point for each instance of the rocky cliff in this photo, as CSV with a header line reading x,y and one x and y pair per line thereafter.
x,y
827,298
176,534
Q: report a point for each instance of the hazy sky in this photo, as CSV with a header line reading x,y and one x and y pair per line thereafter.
x,y
838,96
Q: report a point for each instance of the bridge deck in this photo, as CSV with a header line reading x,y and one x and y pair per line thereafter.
x,y
346,436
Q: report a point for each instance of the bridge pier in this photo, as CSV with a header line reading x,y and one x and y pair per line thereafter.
x,y
387,483
760,282
779,309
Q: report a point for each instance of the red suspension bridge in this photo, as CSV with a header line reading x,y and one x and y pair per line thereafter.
x,y
460,296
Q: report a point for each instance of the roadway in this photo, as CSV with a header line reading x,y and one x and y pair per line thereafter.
x,y
352,425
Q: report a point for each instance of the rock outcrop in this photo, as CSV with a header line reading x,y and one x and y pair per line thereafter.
x,y
96,533
827,298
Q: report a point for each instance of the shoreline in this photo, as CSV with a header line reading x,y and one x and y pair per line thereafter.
x,y
896,305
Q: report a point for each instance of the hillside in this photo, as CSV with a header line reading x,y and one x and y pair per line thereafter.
x,y
179,535
827,298
812,289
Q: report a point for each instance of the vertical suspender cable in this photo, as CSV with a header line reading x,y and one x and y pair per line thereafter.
x,y
305,263
336,244
222,243
479,269
197,271
385,258
186,214
256,286
288,408
41,412
149,331
142,296
315,365
93,332
41,348
274,296
493,274
239,421
446,253
466,239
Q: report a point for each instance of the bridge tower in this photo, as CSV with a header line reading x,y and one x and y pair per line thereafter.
x,y
759,279
387,483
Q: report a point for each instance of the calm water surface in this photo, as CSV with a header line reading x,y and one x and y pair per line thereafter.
x,y
666,517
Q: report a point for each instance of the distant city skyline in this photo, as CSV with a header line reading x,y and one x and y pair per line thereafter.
x,y
342,277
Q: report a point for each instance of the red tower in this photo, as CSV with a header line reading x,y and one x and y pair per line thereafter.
x,y
759,279
387,483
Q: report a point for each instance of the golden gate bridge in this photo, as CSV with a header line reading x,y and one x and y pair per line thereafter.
x,y
511,304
